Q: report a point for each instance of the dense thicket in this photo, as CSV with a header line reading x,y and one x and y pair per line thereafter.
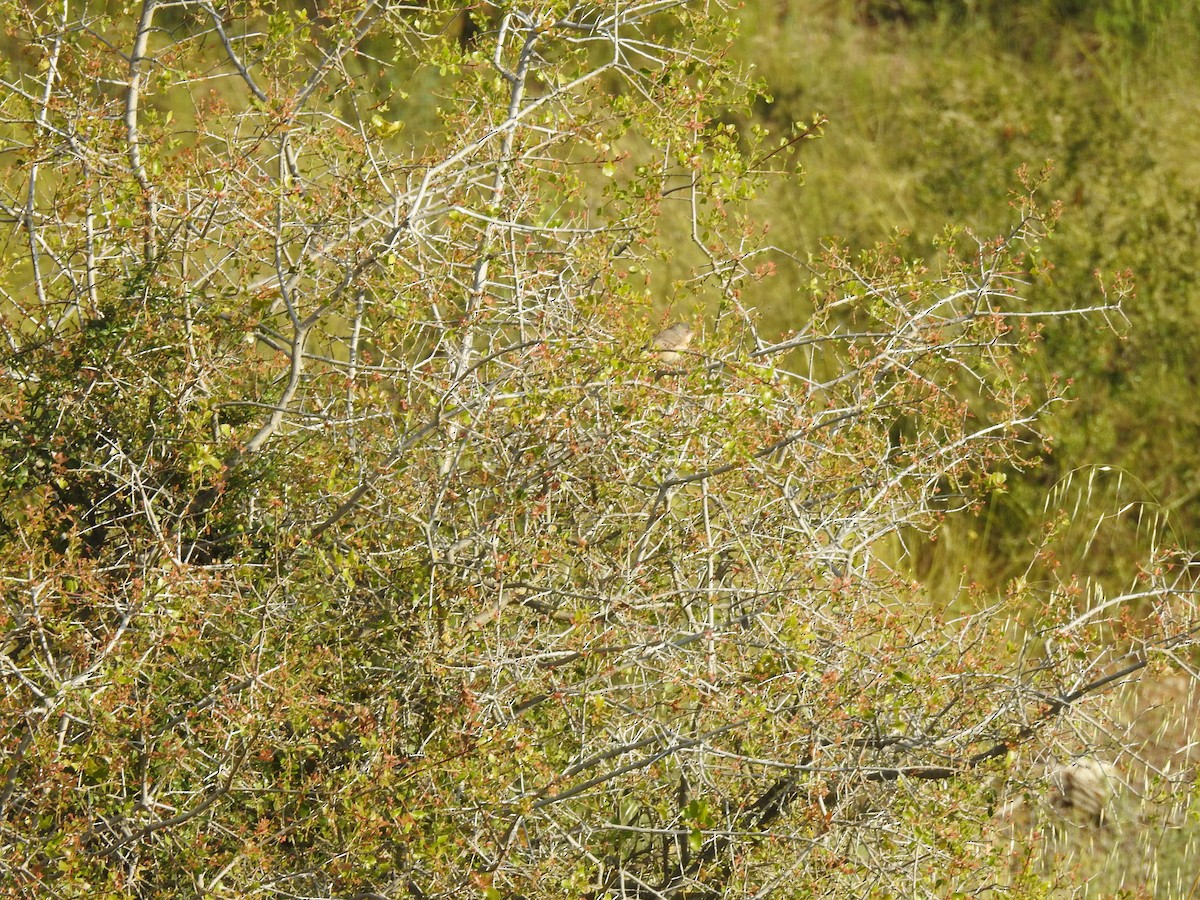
x,y
359,537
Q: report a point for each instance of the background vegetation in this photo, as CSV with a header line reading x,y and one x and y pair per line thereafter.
x,y
932,105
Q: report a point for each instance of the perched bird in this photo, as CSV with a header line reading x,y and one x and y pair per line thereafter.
x,y
669,343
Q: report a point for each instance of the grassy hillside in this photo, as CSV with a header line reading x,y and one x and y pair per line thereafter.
x,y
931,107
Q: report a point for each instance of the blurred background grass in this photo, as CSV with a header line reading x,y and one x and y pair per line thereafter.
x,y
932,106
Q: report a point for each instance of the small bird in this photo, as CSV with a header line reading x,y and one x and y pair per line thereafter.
x,y
1086,785
669,343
